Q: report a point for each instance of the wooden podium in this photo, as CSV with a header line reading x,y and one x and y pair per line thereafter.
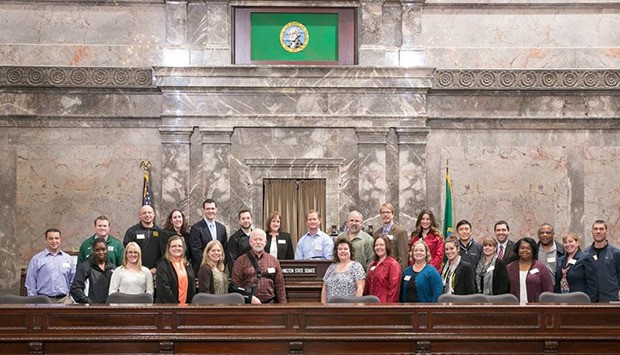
x,y
303,279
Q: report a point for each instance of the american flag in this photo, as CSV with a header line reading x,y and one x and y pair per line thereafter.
x,y
146,189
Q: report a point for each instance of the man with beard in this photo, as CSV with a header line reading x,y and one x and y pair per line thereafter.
x,y
260,271
395,234
361,241
239,242
148,236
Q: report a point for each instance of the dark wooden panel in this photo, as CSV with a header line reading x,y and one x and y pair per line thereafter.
x,y
239,321
309,328
222,347
501,345
480,319
115,321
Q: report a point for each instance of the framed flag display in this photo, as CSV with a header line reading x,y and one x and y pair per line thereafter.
x,y
294,36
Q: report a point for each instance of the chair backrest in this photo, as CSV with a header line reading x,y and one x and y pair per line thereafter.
x,y
475,298
227,298
506,298
353,299
119,297
40,299
571,298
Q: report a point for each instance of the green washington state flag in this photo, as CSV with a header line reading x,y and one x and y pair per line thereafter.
x,y
294,36
447,213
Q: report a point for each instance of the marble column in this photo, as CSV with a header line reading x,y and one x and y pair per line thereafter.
x,y
372,170
412,174
175,162
215,171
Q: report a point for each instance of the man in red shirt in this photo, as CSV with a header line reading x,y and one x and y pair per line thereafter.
x,y
268,280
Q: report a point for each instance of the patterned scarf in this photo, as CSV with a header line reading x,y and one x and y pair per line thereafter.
x,y
484,276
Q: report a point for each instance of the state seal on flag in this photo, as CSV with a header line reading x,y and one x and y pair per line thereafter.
x,y
294,37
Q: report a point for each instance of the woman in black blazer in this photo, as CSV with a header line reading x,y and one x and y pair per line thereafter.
x,y
491,272
575,270
457,275
174,270
284,247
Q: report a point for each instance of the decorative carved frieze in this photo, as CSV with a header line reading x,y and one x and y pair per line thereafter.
x,y
526,79
83,77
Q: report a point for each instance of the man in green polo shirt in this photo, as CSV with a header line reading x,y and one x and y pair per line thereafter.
x,y
115,247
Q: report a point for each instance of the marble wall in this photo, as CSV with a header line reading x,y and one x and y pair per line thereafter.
x,y
524,108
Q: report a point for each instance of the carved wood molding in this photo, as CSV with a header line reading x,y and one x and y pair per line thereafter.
x,y
71,77
481,79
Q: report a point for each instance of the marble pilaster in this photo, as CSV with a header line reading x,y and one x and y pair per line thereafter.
x,y
412,174
215,173
175,186
372,170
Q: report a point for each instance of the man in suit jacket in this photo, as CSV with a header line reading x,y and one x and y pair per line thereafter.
x,y
205,231
505,246
395,233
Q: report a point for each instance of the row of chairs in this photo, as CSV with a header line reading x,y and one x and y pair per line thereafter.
x,y
125,298
508,298
235,298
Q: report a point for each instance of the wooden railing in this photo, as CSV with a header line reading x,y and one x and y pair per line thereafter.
x,y
310,328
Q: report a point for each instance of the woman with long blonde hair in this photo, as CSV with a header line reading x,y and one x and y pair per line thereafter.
x,y
132,277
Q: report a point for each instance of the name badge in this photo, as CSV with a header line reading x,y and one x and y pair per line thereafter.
x,y
390,237
140,236
373,268
551,259
595,257
271,270
318,247
66,264
491,268
281,241
407,277
534,271
572,261
110,248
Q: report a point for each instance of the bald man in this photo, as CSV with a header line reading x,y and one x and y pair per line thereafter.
x,y
148,235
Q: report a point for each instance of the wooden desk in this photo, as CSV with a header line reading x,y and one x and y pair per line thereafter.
x,y
309,328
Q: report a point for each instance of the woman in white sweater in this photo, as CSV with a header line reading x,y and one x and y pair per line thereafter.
x,y
132,277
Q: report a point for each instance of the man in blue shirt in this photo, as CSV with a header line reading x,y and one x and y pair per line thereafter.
x,y
315,244
607,261
51,271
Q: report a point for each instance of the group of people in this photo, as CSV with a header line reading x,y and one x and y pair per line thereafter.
x,y
158,260
392,265
432,266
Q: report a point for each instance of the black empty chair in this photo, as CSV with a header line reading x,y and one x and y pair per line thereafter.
x,y
14,299
119,297
506,298
571,298
475,298
227,298
353,299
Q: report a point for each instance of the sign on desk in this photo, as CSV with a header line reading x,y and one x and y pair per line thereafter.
x,y
301,271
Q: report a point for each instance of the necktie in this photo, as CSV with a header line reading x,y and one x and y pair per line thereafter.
x,y
212,230
500,255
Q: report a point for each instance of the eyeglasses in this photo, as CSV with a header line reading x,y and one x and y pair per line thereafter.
x,y
386,212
